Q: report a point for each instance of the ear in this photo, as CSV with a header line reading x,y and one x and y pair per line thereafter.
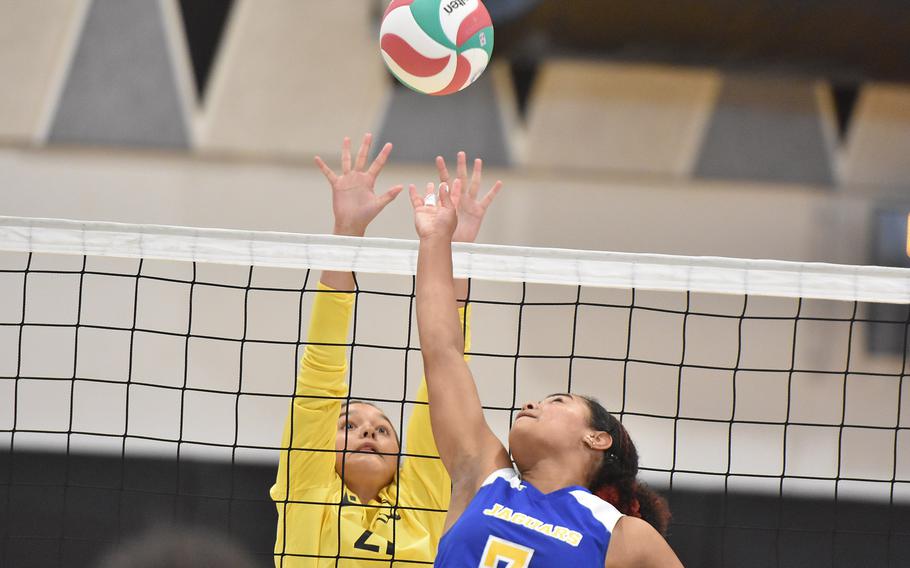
x,y
600,441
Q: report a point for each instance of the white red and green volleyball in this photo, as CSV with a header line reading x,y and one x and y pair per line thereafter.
x,y
437,47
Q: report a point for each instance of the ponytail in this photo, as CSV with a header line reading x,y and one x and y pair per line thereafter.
x,y
615,480
639,501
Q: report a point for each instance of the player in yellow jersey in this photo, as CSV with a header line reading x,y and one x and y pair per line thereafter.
x,y
357,508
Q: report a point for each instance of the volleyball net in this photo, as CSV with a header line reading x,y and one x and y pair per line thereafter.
x,y
146,373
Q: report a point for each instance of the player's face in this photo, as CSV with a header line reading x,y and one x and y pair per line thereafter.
x,y
371,444
558,421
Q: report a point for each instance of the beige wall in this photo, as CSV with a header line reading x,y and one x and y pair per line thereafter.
x,y
36,44
535,209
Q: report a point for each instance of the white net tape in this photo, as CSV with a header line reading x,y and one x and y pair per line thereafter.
x,y
486,262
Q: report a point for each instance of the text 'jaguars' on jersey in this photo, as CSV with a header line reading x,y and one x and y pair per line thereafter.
x,y
510,523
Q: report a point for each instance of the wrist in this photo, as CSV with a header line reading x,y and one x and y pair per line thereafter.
x,y
343,230
436,239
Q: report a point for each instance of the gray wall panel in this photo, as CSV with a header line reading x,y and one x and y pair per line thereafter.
x,y
766,130
121,88
422,126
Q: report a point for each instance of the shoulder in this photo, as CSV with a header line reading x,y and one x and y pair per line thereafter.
x,y
605,513
636,543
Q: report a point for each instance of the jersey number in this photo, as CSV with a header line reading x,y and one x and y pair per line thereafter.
x,y
362,544
499,553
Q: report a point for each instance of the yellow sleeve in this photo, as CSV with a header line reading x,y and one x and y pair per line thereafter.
x,y
424,481
312,421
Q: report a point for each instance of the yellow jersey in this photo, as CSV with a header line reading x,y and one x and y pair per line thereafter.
x,y
403,525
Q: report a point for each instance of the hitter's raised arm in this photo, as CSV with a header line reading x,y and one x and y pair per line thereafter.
x,y
467,446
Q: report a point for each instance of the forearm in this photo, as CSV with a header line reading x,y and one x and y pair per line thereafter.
x,y
461,291
320,387
466,444
437,318
341,281
324,362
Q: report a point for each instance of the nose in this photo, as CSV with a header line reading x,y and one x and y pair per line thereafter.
x,y
368,432
529,406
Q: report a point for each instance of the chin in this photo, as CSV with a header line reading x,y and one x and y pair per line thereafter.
x,y
523,427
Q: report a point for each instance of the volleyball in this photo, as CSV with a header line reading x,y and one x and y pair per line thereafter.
x,y
436,47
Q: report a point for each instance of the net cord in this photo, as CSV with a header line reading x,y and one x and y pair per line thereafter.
x,y
487,262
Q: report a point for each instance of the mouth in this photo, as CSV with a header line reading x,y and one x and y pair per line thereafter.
x,y
524,414
367,449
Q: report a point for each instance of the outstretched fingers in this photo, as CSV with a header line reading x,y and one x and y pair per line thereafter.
x,y
364,151
443,170
346,156
450,196
380,161
389,196
416,199
326,170
476,176
491,195
462,166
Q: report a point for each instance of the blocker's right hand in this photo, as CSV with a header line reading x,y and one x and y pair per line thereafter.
x,y
354,202
471,210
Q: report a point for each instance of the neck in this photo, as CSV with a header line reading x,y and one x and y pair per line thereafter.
x,y
550,475
365,492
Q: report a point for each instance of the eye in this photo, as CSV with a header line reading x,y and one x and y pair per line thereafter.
x,y
557,399
382,430
350,425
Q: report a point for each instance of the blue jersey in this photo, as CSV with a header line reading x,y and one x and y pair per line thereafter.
x,y
510,524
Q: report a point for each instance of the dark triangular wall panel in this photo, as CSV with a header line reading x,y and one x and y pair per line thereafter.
x,y
524,73
422,127
122,88
766,130
845,97
203,23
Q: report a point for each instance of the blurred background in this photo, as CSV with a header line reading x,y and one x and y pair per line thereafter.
x,y
753,128
745,128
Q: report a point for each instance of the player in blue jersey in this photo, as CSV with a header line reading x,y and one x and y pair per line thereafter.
x,y
564,447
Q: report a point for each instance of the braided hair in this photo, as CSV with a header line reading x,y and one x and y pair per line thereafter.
x,y
616,478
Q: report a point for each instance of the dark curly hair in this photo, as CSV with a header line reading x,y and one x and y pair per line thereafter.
x,y
616,479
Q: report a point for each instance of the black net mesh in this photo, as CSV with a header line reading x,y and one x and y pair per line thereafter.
x,y
136,393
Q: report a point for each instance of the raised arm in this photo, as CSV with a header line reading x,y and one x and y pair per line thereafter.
x,y
312,422
467,446
320,385
425,479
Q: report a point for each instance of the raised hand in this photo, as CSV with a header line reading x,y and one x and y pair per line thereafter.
x,y
470,211
354,202
436,217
